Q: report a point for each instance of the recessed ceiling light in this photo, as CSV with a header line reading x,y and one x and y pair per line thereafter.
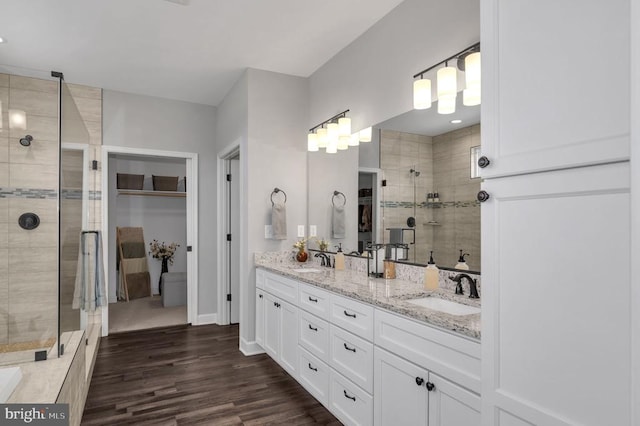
x,y
456,121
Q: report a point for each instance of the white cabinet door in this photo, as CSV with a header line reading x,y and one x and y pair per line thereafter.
x,y
555,84
288,337
260,302
271,326
452,405
400,395
556,319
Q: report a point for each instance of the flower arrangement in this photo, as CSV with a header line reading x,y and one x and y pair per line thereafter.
x,y
323,244
163,251
300,244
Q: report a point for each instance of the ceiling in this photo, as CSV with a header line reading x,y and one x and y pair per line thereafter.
x,y
189,50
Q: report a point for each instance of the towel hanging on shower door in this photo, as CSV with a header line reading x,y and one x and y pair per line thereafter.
x,y
89,286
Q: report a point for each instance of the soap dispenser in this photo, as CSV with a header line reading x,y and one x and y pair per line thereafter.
x,y
431,274
462,264
339,259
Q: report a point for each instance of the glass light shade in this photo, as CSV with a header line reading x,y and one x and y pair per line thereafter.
x,y
312,142
343,142
447,82
422,94
17,119
447,105
354,140
471,97
323,139
472,70
365,135
332,148
344,126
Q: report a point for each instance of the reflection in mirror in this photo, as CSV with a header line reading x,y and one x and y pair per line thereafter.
x,y
429,201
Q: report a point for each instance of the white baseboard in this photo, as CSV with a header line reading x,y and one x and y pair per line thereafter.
x,y
250,348
205,319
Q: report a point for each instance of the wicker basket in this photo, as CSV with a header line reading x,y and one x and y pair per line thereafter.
x,y
128,181
165,183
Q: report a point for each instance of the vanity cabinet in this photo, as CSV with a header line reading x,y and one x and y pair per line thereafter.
x,y
407,394
260,302
281,332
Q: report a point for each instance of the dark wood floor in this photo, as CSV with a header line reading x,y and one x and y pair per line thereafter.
x,y
193,375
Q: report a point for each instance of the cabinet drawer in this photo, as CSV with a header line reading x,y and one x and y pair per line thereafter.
x,y
282,287
353,357
313,374
350,404
314,300
314,335
451,356
353,316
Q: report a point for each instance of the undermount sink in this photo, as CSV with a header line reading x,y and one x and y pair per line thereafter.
x,y
9,379
303,270
446,306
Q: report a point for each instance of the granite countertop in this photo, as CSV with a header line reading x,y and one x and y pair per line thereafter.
x,y
392,294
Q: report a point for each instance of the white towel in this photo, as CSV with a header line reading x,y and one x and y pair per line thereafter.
x,y
279,221
338,222
88,293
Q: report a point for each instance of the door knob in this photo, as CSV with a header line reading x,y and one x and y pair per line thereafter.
x,y
483,162
483,196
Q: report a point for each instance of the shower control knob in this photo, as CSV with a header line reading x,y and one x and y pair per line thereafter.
x,y
483,162
483,196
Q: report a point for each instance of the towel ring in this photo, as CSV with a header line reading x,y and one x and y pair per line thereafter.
x,y
275,191
335,194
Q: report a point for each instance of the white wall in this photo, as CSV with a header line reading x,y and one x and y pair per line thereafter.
x,y
373,75
162,218
146,122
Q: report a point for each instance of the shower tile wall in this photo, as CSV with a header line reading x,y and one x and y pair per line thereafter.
x,y
459,214
28,183
444,165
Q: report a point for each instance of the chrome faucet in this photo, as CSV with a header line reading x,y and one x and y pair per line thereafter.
x,y
325,259
473,289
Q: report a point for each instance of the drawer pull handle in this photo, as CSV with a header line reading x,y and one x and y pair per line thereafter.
x,y
313,300
260,296
275,304
346,395
312,328
349,315
419,381
348,348
430,386
312,367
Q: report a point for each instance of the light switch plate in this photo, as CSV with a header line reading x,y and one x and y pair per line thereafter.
x,y
268,231
301,231
313,231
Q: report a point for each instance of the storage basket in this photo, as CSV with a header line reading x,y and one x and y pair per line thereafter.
x,y
128,181
165,183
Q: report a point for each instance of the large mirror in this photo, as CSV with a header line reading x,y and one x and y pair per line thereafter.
x,y
390,181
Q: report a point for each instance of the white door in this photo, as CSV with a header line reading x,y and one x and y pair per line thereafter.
x,y
260,304
271,326
400,396
288,337
233,216
555,84
452,405
556,314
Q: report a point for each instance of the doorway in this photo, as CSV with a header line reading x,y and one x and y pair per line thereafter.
x,y
188,189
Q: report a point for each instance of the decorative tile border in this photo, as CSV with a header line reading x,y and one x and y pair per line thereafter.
x,y
425,205
47,194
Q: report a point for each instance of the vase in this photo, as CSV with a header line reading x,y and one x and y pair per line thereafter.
x,y
165,268
302,256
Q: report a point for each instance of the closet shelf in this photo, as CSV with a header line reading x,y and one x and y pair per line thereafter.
x,y
152,193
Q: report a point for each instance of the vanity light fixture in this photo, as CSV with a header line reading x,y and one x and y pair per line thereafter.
x,y
3,40
355,139
365,134
456,121
468,60
332,134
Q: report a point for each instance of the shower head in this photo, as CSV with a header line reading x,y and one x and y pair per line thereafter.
x,y
26,141
415,172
